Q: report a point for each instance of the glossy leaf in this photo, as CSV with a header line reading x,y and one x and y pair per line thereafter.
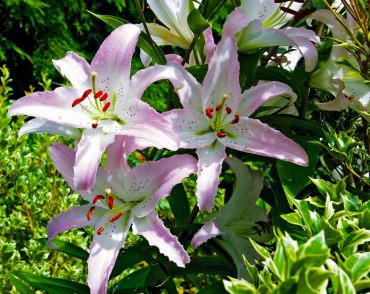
x,y
179,204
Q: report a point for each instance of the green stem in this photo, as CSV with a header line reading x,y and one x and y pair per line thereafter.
x,y
191,47
154,45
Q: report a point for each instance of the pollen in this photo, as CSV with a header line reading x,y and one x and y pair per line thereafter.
x,y
98,94
236,119
100,231
221,135
97,198
218,107
106,106
86,93
110,202
104,97
116,217
77,101
94,125
90,212
228,110
209,112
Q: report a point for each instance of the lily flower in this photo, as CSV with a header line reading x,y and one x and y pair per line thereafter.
x,y
239,220
216,115
176,31
103,101
258,24
121,198
343,81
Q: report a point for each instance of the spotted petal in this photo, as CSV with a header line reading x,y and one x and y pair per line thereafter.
x,y
54,106
112,62
89,151
252,136
222,77
75,217
155,180
254,97
104,250
40,126
236,21
191,127
188,89
146,124
76,69
152,228
209,169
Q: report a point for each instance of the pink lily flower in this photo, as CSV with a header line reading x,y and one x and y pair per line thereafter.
x,y
258,24
103,101
216,115
120,198
239,220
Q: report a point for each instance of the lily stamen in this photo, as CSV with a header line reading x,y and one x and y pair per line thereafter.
x,y
236,119
100,231
104,97
221,134
98,94
98,197
90,212
106,106
116,217
110,202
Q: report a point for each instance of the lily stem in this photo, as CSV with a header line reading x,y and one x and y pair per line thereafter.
x,y
154,45
191,47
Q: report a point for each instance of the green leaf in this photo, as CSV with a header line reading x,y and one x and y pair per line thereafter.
x,y
211,7
274,73
214,288
364,219
235,286
294,177
248,68
52,285
356,238
333,190
196,22
144,41
313,281
358,264
260,250
212,265
179,204
70,249
198,71
131,256
136,280
21,287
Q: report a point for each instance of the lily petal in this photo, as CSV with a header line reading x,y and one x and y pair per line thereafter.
x,y
191,127
146,124
112,62
209,169
75,217
104,250
152,228
40,126
89,151
54,106
208,231
184,83
163,36
222,77
64,159
173,14
338,104
156,180
304,45
76,69
254,36
254,97
253,136
236,21
209,46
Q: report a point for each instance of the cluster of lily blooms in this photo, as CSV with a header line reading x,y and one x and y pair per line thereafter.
x,y
110,116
